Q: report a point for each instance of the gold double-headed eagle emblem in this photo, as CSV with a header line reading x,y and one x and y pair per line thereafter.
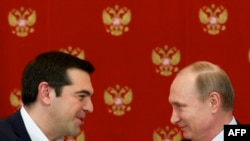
x,y
22,21
166,59
76,51
167,134
213,18
116,20
118,99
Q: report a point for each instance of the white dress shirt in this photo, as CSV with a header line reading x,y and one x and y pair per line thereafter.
x,y
33,130
220,136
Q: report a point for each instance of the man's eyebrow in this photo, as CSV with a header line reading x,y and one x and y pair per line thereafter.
x,y
84,92
177,103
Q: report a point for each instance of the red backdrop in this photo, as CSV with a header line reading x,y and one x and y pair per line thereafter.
x,y
137,48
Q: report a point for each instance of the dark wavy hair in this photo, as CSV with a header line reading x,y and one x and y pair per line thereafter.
x,y
50,67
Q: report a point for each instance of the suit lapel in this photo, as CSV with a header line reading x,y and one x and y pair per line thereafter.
x,y
18,126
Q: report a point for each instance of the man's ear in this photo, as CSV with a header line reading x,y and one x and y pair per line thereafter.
x,y
215,101
44,93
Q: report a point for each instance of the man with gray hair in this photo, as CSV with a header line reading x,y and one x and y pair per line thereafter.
x,y
202,99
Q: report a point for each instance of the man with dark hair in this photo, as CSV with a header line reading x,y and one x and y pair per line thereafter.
x,y
56,95
202,98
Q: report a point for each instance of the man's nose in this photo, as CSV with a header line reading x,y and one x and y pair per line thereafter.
x,y
88,106
174,117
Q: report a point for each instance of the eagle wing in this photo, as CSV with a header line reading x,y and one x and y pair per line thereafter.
x,y
31,19
175,58
108,98
156,136
126,18
12,19
203,17
128,97
106,18
222,17
14,100
156,58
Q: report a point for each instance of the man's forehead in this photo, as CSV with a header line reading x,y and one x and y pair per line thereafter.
x,y
181,94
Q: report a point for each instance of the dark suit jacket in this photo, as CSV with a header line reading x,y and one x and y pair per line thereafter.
x,y
12,128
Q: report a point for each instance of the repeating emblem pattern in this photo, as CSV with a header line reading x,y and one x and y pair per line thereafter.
x,y
213,18
22,21
116,20
166,59
78,52
118,99
167,134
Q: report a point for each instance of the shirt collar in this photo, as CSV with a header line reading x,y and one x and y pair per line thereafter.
x,y
33,130
220,136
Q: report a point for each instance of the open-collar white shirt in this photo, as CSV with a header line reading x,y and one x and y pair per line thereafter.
x,y
220,136
33,130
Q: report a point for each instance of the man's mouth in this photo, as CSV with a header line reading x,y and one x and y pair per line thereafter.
x,y
81,116
183,127
81,120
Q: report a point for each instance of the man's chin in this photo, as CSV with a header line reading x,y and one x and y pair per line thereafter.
x,y
186,135
76,132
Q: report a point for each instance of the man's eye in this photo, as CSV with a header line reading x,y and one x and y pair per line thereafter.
x,y
178,106
81,96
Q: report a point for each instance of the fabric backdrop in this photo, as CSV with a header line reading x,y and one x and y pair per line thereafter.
x,y
137,47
